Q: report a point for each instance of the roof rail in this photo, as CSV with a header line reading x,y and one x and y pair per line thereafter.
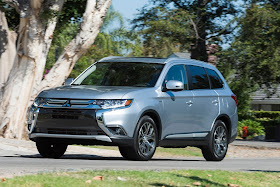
x,y
108,58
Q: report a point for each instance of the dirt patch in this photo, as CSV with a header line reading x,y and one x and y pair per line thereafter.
x,y
251,152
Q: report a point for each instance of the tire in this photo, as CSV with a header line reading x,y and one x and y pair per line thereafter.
x,y
218,143
48,150
144,143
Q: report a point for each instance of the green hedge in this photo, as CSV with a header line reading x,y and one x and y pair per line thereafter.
x,y
260,122
266,114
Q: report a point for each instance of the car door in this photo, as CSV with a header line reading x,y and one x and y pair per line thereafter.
x,y
177,104
205,107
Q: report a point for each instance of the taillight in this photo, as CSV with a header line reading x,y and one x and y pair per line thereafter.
x,y
234,98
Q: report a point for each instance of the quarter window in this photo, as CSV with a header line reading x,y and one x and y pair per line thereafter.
x,y
199,78
216,81
178,73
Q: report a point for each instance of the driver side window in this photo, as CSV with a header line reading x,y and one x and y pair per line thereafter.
x,y
178,73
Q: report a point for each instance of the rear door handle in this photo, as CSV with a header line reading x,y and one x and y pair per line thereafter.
x,y
189,102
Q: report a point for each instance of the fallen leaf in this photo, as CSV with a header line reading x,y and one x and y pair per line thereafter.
x,y
65,174
98,178
233,185
2,179
209,175
196,183
207,185
88,181
232,178
122,179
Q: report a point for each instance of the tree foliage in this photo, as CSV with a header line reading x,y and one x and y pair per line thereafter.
x,y
255,53
192,23
163,31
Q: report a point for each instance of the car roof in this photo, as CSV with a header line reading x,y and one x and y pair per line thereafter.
x,y
155,60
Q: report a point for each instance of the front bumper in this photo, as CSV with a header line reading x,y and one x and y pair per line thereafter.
x,y
77,126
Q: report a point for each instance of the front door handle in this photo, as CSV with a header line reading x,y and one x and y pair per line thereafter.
x,y
189,102
215,102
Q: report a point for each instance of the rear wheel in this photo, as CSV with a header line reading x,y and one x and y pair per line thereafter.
x,y
145,141
218,143
48,150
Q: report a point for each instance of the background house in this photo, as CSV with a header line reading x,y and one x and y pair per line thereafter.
x,y
260,100
179,55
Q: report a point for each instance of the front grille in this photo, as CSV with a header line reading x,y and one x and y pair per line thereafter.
x,y
67,121
65,114
68,103
64,117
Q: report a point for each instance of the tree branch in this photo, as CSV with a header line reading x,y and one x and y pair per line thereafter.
x,y
195,29
14,4
48,36
224,31
92,21
178,4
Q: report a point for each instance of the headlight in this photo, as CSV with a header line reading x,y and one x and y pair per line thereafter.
x,y
112,103
39,101
31,112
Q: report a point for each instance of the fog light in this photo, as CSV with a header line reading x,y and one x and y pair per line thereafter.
x,y
29,127
117,131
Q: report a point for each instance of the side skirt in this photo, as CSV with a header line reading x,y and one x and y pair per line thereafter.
x,y
184,140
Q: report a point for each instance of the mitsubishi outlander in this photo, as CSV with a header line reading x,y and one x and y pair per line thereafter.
x,y
138,104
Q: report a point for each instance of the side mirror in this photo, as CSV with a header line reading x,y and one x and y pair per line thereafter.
x,y
68,81
174,85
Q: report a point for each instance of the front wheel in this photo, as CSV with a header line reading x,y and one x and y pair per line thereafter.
x,y
48,150
145,141
218,143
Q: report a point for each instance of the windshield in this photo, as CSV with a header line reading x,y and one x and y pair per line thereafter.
x,y
121,74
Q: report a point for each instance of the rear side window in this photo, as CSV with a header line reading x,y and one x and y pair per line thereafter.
x,y
199,78
178,73
216,81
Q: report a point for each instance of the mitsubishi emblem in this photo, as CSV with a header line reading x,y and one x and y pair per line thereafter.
x,y
67,104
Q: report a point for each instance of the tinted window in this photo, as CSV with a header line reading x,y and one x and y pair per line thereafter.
x,y
122,74
177,73
199,78
216,81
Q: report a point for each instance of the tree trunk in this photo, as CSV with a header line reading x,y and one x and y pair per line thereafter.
x,y
34,39
7,50
32,45
92,21
198,49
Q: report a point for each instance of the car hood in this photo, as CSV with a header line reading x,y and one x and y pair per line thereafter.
x,y
88,92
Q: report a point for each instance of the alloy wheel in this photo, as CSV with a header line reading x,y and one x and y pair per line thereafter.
x,y
147,139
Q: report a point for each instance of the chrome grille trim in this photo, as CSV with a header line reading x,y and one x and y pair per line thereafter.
x,y
70,103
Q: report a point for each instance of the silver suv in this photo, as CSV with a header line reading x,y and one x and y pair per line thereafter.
x,y
138,104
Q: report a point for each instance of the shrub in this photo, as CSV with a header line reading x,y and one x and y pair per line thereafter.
x,y
266,114
254,128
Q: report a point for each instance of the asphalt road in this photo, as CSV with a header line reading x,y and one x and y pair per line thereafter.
x,y
21,158
28,164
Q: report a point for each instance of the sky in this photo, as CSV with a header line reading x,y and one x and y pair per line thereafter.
x,y
128,8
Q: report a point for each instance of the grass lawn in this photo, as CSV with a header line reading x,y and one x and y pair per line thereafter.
x,y
148,178
187,152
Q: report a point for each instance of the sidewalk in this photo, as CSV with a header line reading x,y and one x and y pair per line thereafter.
x,y
257,144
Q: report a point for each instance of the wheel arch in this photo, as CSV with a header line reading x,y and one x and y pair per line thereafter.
x,y
155,116
225,118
